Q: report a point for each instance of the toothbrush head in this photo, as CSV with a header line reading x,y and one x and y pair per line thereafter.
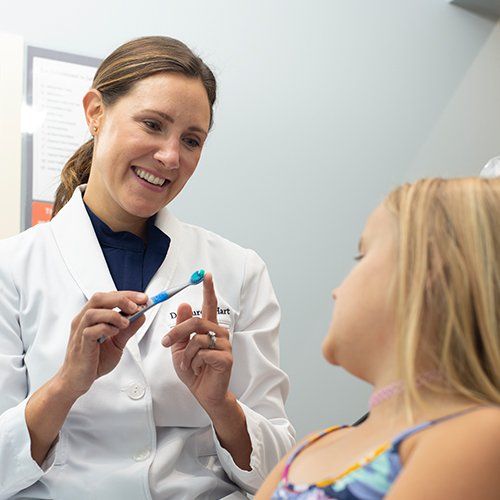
x,y
197,277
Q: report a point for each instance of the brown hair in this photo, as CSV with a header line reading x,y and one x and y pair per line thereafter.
x,y
128,64
449,286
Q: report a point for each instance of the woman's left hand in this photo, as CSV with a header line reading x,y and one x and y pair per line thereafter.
x,y
204,365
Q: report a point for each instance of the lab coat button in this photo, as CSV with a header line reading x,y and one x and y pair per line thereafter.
x,y
142,455
136,391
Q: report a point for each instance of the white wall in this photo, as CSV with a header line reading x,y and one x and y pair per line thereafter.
x,y
11,80
323,107
466,134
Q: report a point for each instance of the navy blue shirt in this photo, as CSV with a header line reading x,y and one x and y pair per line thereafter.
x,y
131,262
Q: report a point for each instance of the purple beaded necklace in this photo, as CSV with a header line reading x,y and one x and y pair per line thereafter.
x,y
391,390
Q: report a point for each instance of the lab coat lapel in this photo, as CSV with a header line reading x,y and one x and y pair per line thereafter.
x,y
165,276
79,247
80,250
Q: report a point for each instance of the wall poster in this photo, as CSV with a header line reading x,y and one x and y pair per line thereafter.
x,y
54,124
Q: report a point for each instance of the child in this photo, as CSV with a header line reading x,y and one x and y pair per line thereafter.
x,y
418,318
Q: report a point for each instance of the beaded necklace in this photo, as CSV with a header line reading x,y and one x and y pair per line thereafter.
x,y
391,390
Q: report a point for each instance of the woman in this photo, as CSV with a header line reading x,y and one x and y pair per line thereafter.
x,y
417,318
125,418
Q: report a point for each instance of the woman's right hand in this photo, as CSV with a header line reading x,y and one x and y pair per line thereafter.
x,y
87,359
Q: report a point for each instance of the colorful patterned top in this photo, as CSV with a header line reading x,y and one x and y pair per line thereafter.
x,y
369,479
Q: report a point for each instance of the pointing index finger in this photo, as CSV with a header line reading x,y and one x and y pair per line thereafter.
x,y
209,308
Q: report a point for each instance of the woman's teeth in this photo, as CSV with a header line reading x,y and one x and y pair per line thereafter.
x,y
157,181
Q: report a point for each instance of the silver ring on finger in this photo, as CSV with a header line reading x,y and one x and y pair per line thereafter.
x,y
212,342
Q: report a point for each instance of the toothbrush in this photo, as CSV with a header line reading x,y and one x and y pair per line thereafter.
x,y
196,278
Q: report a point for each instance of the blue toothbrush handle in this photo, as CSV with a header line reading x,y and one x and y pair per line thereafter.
x,y
153,301
161,297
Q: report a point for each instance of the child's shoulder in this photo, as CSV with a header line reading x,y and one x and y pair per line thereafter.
x,y
477,429
483,420
454,459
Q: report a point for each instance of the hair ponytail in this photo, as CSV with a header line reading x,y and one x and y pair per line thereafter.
x,y
76,171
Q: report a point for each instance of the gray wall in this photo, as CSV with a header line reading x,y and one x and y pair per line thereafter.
x,y
324,106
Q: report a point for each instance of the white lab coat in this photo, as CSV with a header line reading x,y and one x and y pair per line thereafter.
x,y
138,432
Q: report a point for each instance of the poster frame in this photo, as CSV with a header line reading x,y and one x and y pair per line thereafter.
x,y
27,137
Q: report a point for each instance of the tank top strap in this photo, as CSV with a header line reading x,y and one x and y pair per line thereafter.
x,y
417,428
312,439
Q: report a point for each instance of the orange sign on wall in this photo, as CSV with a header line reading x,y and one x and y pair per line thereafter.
x,y
41,211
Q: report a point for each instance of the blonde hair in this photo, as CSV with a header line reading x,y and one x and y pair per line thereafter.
x,y
115,77
448,286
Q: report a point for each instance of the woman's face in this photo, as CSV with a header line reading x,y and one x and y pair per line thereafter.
x,y
147,145
361,334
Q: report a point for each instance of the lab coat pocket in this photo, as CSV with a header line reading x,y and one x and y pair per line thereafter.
x,y
58,453
55,460
205,448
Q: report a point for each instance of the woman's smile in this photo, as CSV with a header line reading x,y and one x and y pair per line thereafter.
x,y
150,180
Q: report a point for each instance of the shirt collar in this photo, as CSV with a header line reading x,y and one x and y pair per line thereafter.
x,y
123,240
